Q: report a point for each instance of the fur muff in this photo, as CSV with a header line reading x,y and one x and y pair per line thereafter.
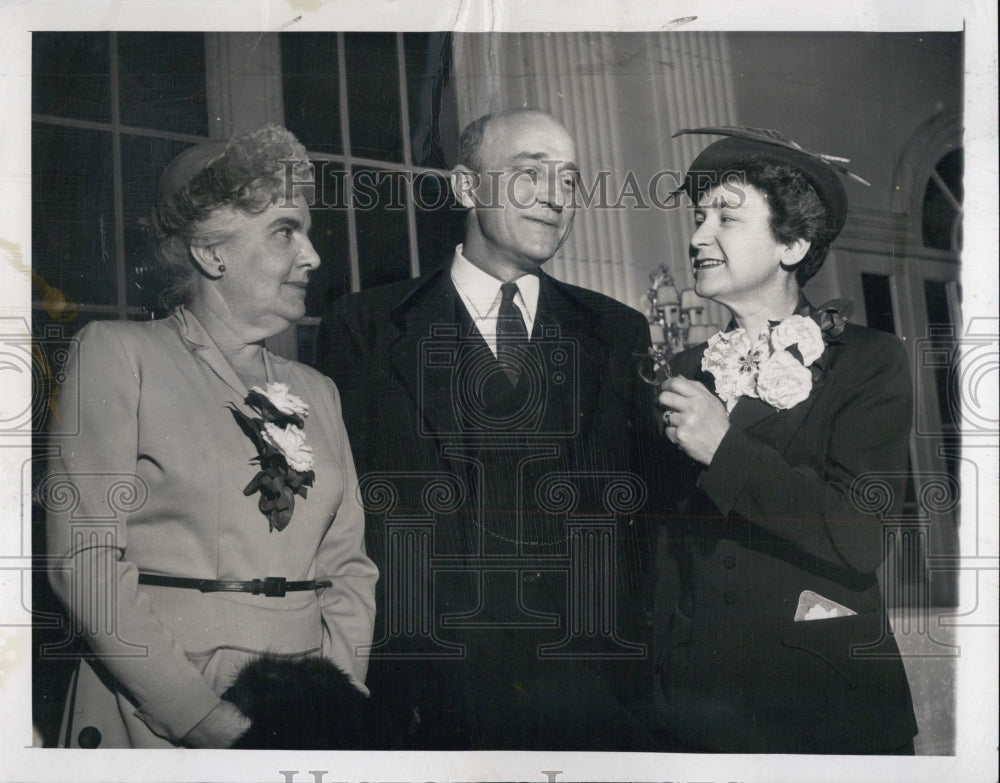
x,y
299,704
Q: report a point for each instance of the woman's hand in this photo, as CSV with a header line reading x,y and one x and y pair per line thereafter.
x,y
219,729
696,419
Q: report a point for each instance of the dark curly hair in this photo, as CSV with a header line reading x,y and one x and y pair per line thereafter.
x,y
248,174
797,212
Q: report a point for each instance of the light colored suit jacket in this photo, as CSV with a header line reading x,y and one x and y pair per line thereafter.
x,y
148,476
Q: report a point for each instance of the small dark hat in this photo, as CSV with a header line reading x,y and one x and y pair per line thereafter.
x,y
744,145
183,168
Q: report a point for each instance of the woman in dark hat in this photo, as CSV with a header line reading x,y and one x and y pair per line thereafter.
x,y
202,505
771,633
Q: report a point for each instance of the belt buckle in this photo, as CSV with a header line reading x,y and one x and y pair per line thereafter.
x,y
273,587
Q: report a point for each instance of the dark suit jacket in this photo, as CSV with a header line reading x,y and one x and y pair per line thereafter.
x,y
510,533
790,502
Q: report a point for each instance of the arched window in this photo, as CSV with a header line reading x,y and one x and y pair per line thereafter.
x,y
929,194
941,215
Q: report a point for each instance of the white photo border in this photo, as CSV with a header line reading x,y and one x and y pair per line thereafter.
x,y
975,756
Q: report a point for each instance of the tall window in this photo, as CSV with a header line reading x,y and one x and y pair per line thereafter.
x,y
377,112
941,230
109,111
935,255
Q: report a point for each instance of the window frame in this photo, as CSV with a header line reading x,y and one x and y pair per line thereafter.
x,y
351,162
116,129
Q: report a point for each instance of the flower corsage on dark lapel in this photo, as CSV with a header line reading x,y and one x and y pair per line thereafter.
x,y
285,460
780,365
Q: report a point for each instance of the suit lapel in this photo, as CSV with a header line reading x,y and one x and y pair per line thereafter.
x,y
561,314
781,429
794,418
202,346
688,364
425,321
426,318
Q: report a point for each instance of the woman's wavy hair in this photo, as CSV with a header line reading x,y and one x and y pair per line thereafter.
x,y
797,212
250,173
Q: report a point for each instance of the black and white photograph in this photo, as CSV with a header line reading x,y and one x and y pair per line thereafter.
x,y
448,391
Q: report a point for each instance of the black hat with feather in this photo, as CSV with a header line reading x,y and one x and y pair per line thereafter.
x,y
757,145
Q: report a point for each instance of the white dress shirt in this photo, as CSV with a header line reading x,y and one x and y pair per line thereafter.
x,y
480,293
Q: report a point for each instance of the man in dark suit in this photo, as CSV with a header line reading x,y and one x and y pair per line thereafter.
x,y
501,432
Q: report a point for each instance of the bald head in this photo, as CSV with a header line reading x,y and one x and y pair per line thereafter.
x,y
518,177
478,132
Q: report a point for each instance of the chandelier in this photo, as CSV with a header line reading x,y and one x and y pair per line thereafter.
x,y
676,319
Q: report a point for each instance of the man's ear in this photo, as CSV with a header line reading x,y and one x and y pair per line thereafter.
x,y
794,252
206,258
464,182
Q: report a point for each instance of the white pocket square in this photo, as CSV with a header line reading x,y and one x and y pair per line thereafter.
x,y
813,606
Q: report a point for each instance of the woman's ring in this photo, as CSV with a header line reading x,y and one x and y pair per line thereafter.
x,y
666,418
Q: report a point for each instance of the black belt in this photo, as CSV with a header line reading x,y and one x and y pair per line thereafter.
x,y
272,586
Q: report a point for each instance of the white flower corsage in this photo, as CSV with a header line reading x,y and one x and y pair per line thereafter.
x,y
277,395
783,381
734,359
774,368
285,459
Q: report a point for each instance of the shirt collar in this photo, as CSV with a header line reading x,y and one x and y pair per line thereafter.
x,y
481,291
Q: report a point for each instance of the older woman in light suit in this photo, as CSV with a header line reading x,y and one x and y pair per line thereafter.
x,y
239,531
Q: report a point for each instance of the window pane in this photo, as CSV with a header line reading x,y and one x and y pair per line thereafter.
x,y
329,236
162,81
878,302
383,241
938,315
73,217
143,159
432,103
311,85
71,75
440,221
373,96
939,218
936,297
950,169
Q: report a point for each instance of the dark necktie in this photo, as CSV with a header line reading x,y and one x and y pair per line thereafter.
x,y
510,323
510,330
